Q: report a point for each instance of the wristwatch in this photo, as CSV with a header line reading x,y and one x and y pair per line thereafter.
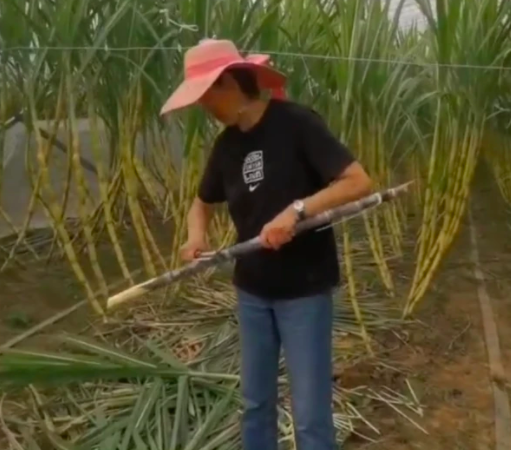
x,y
299,207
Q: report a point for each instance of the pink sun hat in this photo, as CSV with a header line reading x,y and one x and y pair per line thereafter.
x,y
203,65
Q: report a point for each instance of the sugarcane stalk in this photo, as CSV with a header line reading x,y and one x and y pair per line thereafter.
x,y
374,237
326,218
455,197
15,230
104,191
352,288
132,188
37,184
52,208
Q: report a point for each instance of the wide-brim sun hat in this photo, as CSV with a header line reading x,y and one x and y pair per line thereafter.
x,y
205,63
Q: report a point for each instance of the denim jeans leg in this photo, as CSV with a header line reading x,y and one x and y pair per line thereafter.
x,y
305,327
260,349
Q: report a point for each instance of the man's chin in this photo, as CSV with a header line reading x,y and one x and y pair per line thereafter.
x,y
225,122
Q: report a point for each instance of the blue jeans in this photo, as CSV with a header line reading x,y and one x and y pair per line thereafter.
x,y
303,327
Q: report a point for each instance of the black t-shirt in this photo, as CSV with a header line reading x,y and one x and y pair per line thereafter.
x,y
288,155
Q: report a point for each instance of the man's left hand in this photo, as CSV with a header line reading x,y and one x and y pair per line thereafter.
x,y
280,230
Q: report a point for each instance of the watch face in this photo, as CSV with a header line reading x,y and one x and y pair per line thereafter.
x,y
299,207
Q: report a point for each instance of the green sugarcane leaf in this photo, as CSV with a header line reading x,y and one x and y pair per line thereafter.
x,y
33,358
166,426
213,419
139,442
165,355
141,411
116,355
98,435
111,441
229,435
180,426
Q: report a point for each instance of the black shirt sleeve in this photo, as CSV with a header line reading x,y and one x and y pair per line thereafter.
x,y
327,156
211,187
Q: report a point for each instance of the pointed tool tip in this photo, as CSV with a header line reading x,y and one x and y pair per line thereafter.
x,y
405,186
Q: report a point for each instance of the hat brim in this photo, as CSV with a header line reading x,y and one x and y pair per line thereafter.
x,y
191,90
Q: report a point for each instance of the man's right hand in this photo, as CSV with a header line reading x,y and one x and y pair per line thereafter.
x,y
192,249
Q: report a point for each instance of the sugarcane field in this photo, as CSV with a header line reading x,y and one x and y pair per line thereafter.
x,y
110,340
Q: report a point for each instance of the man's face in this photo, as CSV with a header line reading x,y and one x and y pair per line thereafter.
x,y
223,100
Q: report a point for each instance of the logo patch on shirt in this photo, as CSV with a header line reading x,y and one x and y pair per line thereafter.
x,y
253,169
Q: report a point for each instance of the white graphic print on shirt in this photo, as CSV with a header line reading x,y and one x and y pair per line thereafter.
x,y
253,169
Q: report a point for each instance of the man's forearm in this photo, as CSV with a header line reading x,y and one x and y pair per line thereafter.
x,y
199,218
343,191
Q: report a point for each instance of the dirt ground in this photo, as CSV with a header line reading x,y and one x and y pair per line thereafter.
x,y
33,293
443,355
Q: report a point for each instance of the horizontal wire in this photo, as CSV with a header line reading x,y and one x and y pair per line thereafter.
x,y
269,52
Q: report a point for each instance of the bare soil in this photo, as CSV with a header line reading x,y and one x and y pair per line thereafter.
x,y
35,291
444,356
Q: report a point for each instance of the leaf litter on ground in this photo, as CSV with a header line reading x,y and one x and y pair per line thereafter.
x,y
169,377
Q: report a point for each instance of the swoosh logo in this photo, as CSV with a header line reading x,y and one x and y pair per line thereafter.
x,y
253,187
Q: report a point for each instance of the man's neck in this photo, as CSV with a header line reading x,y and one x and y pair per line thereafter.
x,y
250,114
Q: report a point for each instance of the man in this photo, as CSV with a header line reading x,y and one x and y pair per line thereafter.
x,y
275,163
